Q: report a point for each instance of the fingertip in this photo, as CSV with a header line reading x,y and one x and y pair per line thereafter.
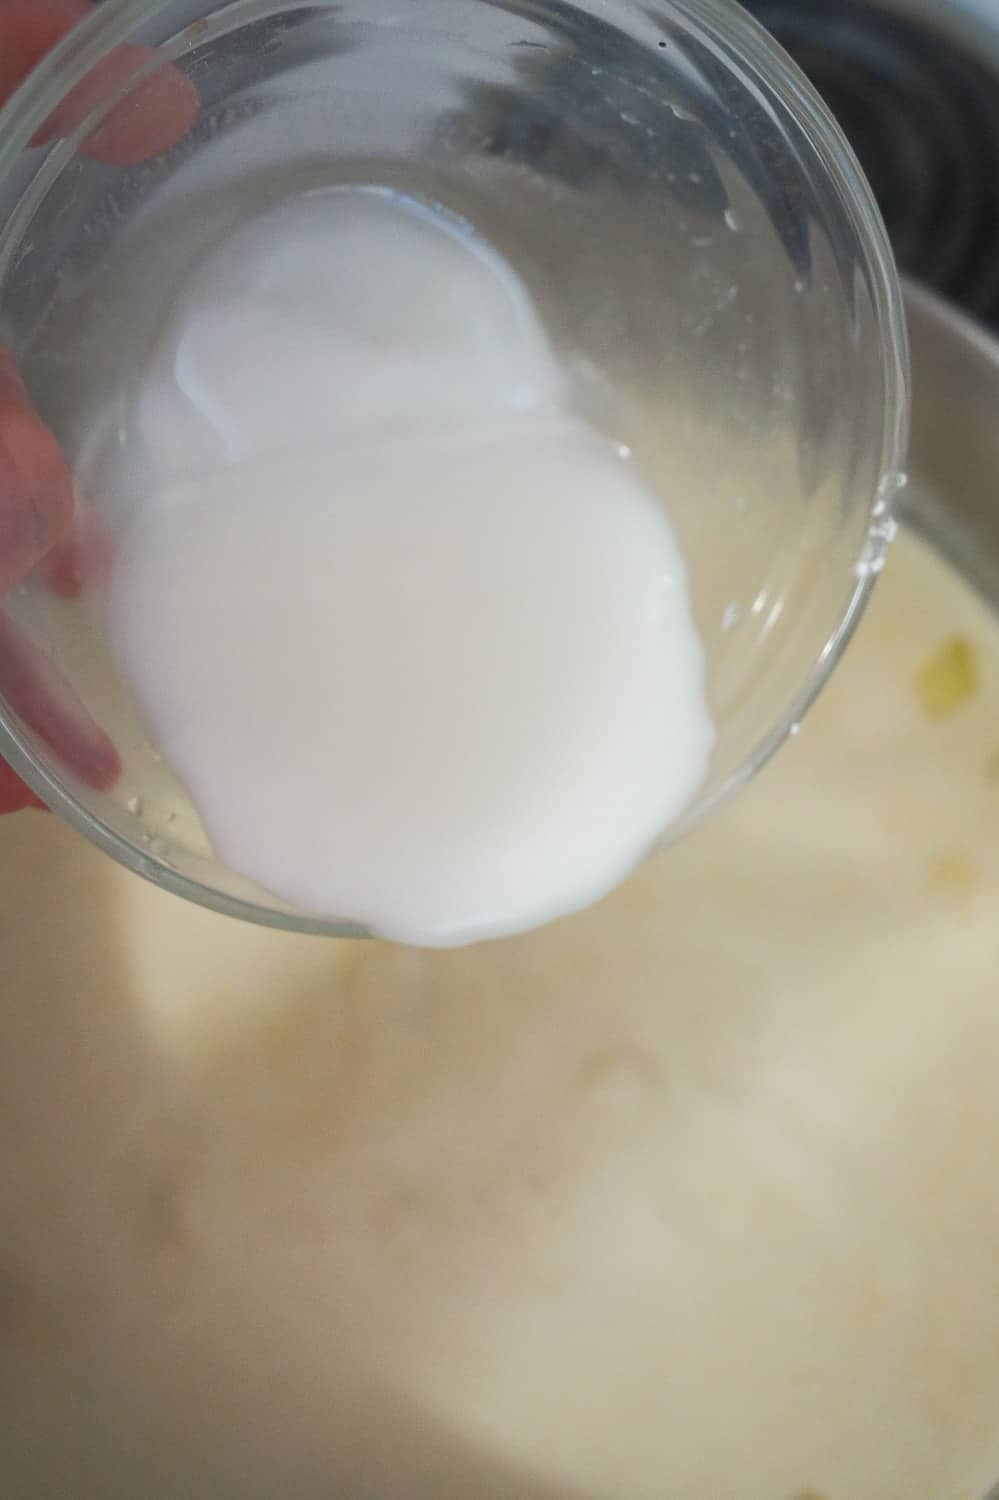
x,y
157,115
97,762
61,570
83,559
153,115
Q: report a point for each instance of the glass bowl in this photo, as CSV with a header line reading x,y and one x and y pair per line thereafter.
x,y
693,227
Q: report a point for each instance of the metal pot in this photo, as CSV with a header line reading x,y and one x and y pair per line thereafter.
x,y
953,498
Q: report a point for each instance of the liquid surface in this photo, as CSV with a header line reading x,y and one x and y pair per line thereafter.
x,y
619,1210
417,639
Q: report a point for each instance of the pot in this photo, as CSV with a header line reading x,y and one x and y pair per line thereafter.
x,y
288,1217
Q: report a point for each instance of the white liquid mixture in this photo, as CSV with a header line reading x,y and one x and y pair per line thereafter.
x,y
416,638
690,1197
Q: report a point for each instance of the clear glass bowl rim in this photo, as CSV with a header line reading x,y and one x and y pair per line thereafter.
x,y
115,21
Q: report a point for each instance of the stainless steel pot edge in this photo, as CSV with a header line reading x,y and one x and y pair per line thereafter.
x,y
953,497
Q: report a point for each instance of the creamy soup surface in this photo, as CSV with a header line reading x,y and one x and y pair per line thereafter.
x,y
692,1197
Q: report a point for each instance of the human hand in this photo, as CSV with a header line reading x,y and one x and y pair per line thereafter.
x,y
36,489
